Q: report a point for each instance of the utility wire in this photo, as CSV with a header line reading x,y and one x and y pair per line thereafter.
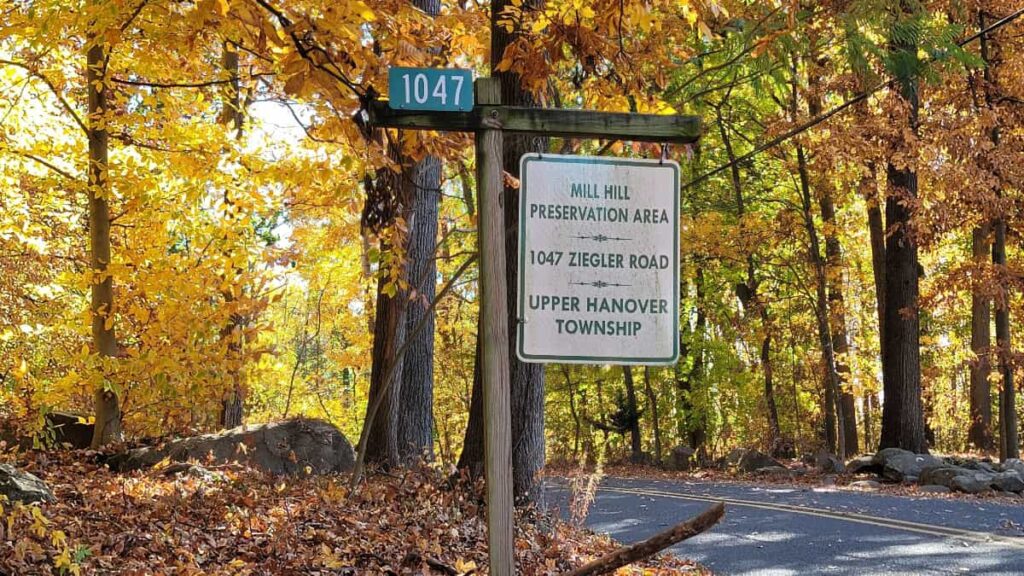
x,y
851,102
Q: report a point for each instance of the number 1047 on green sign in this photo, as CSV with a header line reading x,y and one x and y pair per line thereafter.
x,y
441,89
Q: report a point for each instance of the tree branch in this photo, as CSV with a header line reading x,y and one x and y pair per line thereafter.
x,y
53,88
653,545
208,83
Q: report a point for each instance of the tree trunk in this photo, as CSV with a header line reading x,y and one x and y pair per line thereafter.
x,y
1009,444
869,418
416,396
876,231
388,336
577,423
652,404
636,449
902,415
527,380
980,432
231,410
769,380
835,434
416,416
840,339
104,337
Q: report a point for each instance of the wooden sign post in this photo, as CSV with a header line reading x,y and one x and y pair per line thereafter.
x,y
488,120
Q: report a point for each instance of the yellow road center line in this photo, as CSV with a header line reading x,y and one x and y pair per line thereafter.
x,y
847,516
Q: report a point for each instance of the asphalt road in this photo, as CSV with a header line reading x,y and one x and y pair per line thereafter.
x,y
779,530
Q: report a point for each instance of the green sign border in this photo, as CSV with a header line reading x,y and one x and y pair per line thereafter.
x,y
524,164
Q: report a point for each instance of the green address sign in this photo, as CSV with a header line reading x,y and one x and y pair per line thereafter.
x,y
441,89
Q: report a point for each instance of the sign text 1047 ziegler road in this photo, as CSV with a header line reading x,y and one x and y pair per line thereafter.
x,y
598,260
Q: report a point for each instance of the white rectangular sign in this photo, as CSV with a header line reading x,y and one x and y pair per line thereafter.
x,y
598,260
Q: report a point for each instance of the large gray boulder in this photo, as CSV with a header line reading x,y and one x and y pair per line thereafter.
x,y
681,458
1009,481
753,460
942,475
972,483
903,465
296,446
20,486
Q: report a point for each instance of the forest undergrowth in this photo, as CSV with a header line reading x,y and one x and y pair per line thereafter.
x,y
237,521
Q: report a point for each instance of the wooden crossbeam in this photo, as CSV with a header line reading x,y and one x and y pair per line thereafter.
x,y
676,129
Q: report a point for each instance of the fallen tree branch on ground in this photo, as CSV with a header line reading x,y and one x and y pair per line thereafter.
x,y
654,544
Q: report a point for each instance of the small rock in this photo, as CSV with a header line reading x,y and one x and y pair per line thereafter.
x,y
1014,464
828,480
934,489
774,471
828,463
21,486
864,464
783,448
753,460
681,458
866,485
70,429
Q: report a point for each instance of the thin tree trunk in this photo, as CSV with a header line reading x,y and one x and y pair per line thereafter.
x,y
868,405
577,425
1009,444
527,380
980,432
876,232
840,338
902,414
232,411
828,283
636,449
652,403
104,337
698,431
835,435
769,382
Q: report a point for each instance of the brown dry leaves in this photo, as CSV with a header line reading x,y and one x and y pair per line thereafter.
x,y
241,522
